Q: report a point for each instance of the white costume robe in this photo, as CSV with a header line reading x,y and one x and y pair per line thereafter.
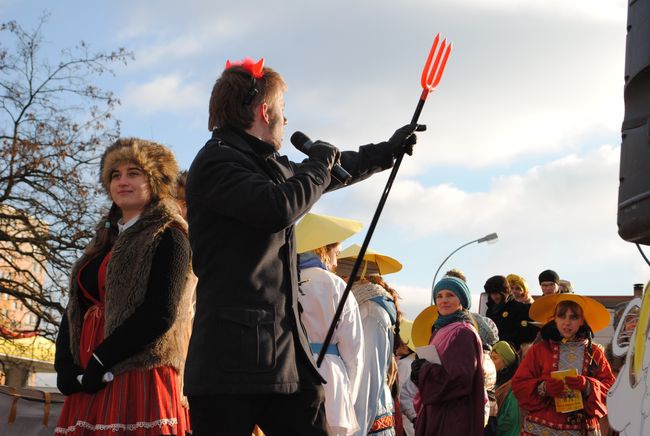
x,y
320,294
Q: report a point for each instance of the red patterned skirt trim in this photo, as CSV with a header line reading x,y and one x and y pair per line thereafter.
x,y
137,402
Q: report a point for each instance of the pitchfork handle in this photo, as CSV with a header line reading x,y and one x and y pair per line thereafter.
x,y
366,241
418,108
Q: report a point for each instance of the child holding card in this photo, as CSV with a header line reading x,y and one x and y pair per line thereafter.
x,y
543,384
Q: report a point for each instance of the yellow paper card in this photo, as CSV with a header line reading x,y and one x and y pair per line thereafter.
x,y
572,398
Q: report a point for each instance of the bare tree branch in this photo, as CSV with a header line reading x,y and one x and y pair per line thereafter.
x,y
53,120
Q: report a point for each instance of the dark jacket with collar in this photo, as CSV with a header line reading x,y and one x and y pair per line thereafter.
x,y
512,320
243,200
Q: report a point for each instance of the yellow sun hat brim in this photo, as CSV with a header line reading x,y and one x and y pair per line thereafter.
x,y
422,325
315,231
374,262
406,333
595,314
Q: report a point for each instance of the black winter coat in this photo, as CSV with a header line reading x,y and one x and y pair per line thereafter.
x,y
243,200
512,320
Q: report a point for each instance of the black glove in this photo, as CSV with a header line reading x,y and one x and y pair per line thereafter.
x,y
404,139
324,152
415,370
92,379
66,380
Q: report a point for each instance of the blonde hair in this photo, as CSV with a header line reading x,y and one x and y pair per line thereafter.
x,y
322,253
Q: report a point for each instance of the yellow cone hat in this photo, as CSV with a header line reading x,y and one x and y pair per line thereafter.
x,y
315,231
374,263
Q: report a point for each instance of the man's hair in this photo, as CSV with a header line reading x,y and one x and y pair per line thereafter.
x,y
230,104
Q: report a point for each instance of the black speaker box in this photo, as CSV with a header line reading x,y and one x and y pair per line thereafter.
x,y
634,176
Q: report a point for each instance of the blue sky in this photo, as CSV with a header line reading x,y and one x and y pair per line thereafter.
x,y
524,129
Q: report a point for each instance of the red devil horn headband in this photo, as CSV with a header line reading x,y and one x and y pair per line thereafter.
x,y
255,68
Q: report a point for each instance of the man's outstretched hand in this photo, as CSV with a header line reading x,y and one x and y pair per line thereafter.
x,y
404,138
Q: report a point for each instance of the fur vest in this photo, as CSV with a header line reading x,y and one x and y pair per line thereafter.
x,y
127,276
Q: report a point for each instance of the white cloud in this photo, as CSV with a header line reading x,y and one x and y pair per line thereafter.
x,y
508,92
164,94
559,215
605,10
526,78
561,191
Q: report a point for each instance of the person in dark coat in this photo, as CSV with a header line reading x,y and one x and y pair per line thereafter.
x,y
510,316
249,360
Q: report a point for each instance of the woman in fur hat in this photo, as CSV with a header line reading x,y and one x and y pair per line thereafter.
x,y
122,342
542,383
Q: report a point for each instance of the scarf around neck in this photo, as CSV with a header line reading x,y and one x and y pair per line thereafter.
x,y
366,291
310,260
458,316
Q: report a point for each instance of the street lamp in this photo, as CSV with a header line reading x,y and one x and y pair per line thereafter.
x,y
492,237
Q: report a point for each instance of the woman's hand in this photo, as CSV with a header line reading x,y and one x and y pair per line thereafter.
x,y
92,379
415,370
67,381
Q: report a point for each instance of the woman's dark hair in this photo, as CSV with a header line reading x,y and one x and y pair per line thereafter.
x,y
105,233
549,330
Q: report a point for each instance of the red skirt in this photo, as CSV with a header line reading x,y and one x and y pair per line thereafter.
x,y
137,403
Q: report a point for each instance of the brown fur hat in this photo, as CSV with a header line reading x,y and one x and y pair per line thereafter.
x,y
157,162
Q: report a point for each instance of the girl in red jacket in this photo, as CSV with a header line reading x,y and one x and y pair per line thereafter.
x,y
569,322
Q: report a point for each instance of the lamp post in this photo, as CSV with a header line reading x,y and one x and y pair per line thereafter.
x,y
492,237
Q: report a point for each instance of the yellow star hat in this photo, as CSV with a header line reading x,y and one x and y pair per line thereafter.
x,y
315,231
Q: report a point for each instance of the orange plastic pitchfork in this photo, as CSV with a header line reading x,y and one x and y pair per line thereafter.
x,y
431,76
432,72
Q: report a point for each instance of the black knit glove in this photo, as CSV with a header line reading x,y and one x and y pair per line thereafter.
x,y
66,380
324,152
92,380
404,139
415,370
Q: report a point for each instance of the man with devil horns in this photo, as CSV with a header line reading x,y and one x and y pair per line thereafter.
x,y
249,360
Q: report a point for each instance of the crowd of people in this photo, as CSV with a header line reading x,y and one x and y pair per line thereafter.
x,y
199,307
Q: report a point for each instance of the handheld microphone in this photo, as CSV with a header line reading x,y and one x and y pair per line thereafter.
x,y
303,144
